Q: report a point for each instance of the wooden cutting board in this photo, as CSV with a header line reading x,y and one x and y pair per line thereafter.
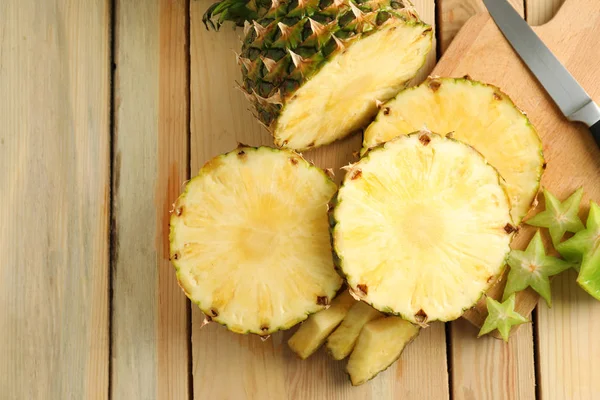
x,y
573,159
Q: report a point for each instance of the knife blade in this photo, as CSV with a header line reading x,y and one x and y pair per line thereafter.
x,y
565,91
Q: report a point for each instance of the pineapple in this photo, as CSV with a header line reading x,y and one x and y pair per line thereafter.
x,y
317,70
421,227
379,345
478,114
342,340
314,331
250,240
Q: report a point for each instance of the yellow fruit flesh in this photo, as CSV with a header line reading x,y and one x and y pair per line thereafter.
x,y
250,241
342,340
342,97
477,114
422,227
379,345
314,331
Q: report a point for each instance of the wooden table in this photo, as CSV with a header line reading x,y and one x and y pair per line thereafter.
x,y
106,107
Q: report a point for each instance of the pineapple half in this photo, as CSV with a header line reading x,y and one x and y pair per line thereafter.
x,y
421,227
250,240
379,345
478,114
316,70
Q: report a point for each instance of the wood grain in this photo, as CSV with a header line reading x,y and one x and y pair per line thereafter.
x,y
541,11
54,199
488,368
256,369
452,15
568,344
149,316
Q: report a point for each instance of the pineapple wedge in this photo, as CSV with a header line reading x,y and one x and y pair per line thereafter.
x,y
478,114
379,345
342,340
421,227
313,332
250,240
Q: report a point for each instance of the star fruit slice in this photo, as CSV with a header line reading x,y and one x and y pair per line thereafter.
x,y
501,316
533,267
585,247
559,217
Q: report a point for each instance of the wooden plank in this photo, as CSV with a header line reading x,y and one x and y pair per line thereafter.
x,y
226,365
452,14
489,368
568,343
485,368
541,11
150,318
54,199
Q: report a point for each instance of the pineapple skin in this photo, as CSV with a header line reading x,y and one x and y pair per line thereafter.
x,y
370,139
339,261
206,309
286,44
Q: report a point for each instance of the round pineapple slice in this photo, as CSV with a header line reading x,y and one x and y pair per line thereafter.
x,y
250,240
478,114
422,227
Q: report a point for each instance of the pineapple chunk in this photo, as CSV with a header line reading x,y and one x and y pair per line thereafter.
x,y
477,114
313,332
250,240
379,345
422,227
342,340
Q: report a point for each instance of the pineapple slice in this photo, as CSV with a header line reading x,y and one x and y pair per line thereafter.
x,y
379,345
478,114
342,340
422,227
250,240
312,333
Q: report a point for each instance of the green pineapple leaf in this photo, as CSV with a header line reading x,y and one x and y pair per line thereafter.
x,y
585,247
533,267
559,217
501,316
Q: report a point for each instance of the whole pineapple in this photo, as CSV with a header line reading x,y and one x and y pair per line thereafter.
x,y
317,71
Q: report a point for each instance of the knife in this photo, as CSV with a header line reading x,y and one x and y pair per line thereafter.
x,y
568,95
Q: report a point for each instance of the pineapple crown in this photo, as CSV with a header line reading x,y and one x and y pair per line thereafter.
x,y
237,11
241,12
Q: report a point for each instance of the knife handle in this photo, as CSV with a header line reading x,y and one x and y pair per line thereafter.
x,y
595,130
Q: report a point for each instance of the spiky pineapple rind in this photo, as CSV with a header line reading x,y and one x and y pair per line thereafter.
x,y
174,258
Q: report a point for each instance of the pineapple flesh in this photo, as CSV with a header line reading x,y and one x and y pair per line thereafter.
x,y
250,241
478,114
342,340
305,63
421,227
379,345
314,331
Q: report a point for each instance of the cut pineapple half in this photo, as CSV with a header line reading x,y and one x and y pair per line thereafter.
x,y
478,114
342,340
422,227
250,242
314,331
343,96
379,345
